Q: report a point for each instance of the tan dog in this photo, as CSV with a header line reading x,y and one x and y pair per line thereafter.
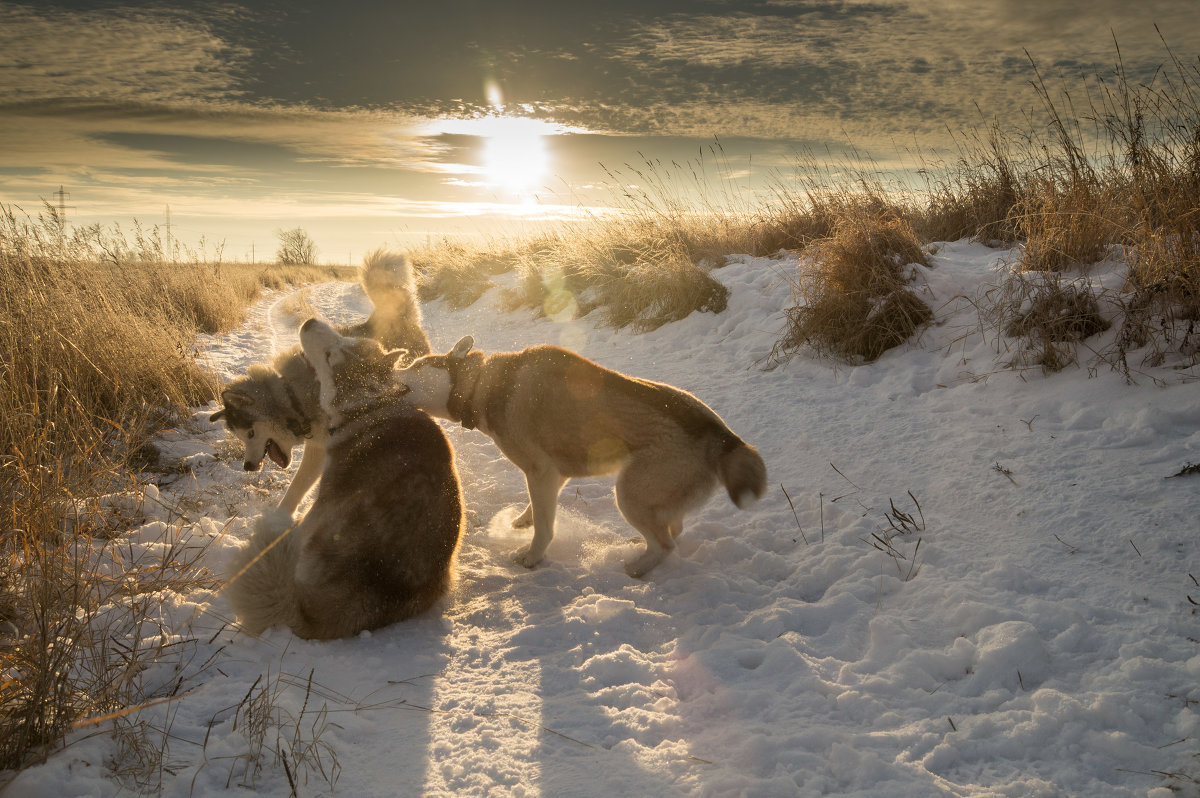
x,y
557,415
378,543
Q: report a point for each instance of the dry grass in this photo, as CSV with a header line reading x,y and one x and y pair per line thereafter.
x,y
460,272
95,354
852,296
1119,179
1048,314
89,627
277,738
976,196
637,273
642,265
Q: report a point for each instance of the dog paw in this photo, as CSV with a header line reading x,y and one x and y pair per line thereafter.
x,y
526,558
274,521
640,566
525,519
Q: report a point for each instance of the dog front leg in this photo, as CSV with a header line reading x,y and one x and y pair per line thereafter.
x,y
544,487
311,464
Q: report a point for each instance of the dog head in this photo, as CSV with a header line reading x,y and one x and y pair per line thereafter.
x,y
251,414
348,369
430,379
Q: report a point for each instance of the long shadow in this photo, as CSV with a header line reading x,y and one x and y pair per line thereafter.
x,y
554,668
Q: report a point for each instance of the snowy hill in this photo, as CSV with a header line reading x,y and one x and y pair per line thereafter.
x,y
976,584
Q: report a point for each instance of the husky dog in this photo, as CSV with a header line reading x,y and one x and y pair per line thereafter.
x,y
556,415
274,408
378,543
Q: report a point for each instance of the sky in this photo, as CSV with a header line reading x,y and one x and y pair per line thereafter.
x,y
397,123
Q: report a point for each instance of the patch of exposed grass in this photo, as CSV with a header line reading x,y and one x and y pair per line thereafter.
x,y
1048,313
852,296
460,272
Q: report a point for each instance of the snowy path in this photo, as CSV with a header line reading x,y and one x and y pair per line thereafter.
x,y
1040,642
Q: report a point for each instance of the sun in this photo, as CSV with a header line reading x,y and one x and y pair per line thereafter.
x,y
508,154
514,152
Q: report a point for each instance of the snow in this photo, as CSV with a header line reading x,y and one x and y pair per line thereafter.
x,y
1030,634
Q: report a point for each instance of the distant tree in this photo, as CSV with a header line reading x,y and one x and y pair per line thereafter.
x,y
296,248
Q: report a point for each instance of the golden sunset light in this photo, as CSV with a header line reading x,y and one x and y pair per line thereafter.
x,y
664,398
364,107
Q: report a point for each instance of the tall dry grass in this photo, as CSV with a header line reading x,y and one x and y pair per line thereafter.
x,y
1117,178
96,353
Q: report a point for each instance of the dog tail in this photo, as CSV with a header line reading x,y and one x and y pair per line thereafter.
x,y
388,278
262,584
743,473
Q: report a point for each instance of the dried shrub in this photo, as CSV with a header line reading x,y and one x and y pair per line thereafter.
x,y
1068,226
1048,314
1062,313
461,272
852,297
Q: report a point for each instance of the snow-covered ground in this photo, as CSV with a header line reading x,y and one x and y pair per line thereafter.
x,y
1030,634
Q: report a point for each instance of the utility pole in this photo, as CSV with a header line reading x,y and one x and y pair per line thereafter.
x,y
170,256
252,260
63,196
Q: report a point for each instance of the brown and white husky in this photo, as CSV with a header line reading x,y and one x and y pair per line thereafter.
x,y
556,415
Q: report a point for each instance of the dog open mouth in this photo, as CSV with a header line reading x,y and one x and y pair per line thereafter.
x,y
278,456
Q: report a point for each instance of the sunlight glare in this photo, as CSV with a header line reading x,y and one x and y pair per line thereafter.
x,y
514,156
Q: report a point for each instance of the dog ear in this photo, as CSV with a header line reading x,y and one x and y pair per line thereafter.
x,y
217,416
236,399
462,347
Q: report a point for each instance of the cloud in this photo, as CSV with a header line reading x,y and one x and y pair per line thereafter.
x,y
147,56
874,70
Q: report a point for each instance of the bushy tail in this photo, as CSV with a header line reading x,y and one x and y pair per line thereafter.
x,y
387,277
262,584
743,473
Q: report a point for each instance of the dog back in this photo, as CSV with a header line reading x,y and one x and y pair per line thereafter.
x,y
381,537
585,417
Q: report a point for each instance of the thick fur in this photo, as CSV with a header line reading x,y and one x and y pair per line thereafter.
x,y
387,278
274,408
377,546
557,415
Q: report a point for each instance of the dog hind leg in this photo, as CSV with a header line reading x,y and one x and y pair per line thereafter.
x,y
637,502
654,495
